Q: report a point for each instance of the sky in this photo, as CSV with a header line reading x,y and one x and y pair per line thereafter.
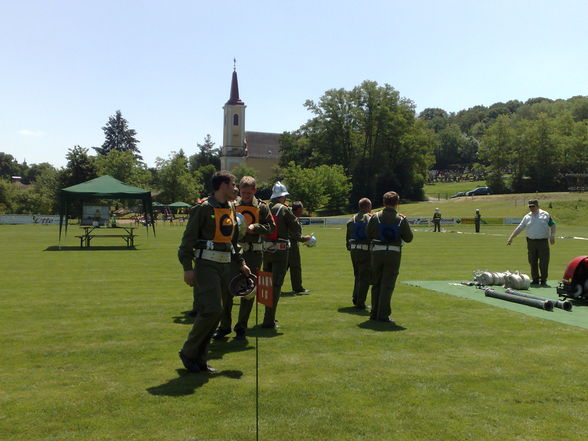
x,y
67,66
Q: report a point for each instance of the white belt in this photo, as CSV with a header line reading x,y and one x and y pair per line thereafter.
x,y
360,246
385,248
215,256
250,246
274,246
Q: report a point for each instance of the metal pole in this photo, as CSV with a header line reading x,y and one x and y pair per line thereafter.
x,y
256,372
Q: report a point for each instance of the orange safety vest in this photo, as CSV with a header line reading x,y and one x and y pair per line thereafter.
x,y
250,213
224,223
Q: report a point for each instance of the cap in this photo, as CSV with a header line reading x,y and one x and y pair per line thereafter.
x,y
533,202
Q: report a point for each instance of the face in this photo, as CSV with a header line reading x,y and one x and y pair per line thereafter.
x,y
533,208
299,211
229,190
247,193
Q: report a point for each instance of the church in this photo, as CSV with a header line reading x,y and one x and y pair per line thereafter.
x,y
257,150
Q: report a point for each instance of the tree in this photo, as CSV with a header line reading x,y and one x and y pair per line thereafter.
x,y
124,167
80,167
9,166
206,155
495,152
119,137
371,133
175,180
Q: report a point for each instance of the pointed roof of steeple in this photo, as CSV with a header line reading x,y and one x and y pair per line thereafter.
x,y
234,99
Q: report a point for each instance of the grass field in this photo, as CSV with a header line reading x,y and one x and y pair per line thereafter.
x,y
89,340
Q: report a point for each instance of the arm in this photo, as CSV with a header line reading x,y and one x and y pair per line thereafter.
x,y
266,222
552,231
517,230
186,248
405,231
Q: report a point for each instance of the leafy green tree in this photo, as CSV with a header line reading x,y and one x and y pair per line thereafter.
x,y
9,166
118,136
124,166
175,181
80,167
306,185
495,152
35,170
208,154
243,170
6,196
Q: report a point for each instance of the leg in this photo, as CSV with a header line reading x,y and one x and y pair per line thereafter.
x,y
543,254
253,260
208,300
533,257
388,282
279,266
295,266
377,268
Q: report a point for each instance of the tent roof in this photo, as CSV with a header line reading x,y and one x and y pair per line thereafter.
x,y
179,204
105,187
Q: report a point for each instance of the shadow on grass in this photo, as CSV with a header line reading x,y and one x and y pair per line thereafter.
x,y
353,310
184,319
293,294
98,248
187,382
220,347
381,326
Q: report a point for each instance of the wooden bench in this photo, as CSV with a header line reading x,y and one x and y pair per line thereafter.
x,y
128,237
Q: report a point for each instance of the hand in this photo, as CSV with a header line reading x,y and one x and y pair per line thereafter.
x,y
251,229
245,270
189,278
552,240
305,238
509,241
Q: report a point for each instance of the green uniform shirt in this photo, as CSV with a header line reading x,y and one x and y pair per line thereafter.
x,y
362,216
287,224
391,217
201,228
264,226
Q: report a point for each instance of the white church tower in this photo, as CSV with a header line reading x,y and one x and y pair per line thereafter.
x,y
234,150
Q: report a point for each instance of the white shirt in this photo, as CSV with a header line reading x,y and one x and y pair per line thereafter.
x,y
538,225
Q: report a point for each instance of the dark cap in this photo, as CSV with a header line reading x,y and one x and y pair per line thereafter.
x,y
533,202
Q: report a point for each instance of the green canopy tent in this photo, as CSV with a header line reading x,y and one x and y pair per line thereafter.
x,y
104,187
179,205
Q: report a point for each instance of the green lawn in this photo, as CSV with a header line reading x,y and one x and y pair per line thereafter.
x,y
89,340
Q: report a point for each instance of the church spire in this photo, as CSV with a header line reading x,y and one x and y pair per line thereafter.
x,y
234,99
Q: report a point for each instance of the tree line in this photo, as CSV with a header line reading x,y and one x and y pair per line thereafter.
x,y
358,143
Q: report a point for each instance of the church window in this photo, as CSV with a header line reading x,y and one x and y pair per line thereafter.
x,y
235,119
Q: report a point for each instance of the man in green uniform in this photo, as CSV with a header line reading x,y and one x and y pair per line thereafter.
x,y
357,244
259,222
387,230
437,221
276,247
208,242
294,260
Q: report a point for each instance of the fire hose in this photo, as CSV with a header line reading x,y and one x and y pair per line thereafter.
x,y
561,304
545,304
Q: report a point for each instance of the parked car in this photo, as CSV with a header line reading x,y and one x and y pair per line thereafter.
x,y
458,195
479,191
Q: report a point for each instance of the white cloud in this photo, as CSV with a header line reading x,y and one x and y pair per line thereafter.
x,y
27,132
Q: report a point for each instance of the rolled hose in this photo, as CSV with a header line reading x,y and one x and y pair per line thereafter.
x,y
509,297
561,304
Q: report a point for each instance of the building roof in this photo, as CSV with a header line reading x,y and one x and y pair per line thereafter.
x,y
263,145
234,98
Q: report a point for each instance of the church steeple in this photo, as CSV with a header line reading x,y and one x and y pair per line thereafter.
x,y
234,99
234,149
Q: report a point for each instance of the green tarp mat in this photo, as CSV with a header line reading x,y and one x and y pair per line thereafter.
x,y
577,317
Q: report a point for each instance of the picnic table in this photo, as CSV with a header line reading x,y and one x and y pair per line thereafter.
x,y
91,232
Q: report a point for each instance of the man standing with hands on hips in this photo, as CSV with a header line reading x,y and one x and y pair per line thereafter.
x,y
540,227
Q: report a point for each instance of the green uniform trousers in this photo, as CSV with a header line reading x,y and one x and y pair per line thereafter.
x,y
295,267
538,254
253,260
277,264
361,261
212,282
385,266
